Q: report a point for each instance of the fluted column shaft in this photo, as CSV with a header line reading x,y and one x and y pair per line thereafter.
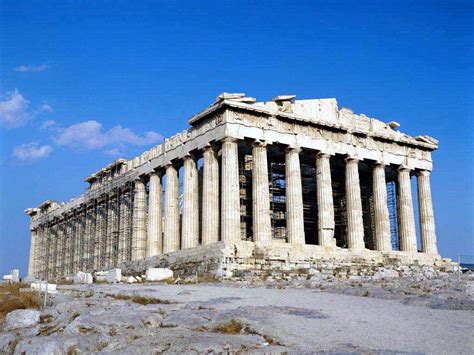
x,y
190,228
262,224
171,230
406,217
210,197
294,197
427,222
355,224
230,219
382,222
31,261
99,222
125,226
139,221
112,227
325,202
154,245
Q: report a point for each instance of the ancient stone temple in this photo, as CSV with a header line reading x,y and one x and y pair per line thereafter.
x,y
250,187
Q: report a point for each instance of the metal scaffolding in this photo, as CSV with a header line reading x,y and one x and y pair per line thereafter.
x,y
245,182
392,212
278,199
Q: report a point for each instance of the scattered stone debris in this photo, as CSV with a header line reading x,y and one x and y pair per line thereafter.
x,y
317,314
83,278
158,274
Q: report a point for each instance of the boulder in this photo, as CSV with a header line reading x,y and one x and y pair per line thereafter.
x,y
42,345
22,318
83,278
158,274
114,275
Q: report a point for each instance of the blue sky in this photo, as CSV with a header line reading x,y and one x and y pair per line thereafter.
x,y
83,82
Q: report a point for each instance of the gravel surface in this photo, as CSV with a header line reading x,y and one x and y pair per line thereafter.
x,y
334,317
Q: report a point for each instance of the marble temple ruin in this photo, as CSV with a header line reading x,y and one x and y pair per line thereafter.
x,y
285,183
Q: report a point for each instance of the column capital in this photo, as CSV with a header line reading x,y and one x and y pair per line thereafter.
x,y
351,158
403,167
424,173
189,155
138,179
156,173
380,163
169,164
229,140
296,149
323,155
208,147
259,143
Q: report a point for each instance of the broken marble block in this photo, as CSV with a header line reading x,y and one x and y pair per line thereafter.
x,y
15,275
158,274
39,285
114,275
83,278
100,276
129,279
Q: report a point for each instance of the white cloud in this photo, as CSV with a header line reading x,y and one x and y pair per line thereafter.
x,y
88,135
31,68
48,124
32,151
44,108
15,110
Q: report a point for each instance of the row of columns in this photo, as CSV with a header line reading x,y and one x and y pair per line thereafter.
x,y
262,229
150,236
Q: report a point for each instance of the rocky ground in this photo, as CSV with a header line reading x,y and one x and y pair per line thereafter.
x,y
400,315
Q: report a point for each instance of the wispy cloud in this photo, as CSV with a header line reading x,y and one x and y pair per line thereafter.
x,y
44,108
89,135
32,68
32,151
48,124
15,110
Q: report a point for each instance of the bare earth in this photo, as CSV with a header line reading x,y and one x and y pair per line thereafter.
x,y
383,317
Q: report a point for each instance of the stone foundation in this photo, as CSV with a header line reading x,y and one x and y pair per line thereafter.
x,y
248,261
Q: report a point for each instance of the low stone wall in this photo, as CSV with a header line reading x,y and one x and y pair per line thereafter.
x,y
248,261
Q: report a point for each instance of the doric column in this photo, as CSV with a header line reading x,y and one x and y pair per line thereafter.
x,y
325,201
294,197
262,224
427,222
99,221
355,224
31,261
126,227
154,244
112,230
230,218
210,197
190,227
139,221
406,217
171,230
382,222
